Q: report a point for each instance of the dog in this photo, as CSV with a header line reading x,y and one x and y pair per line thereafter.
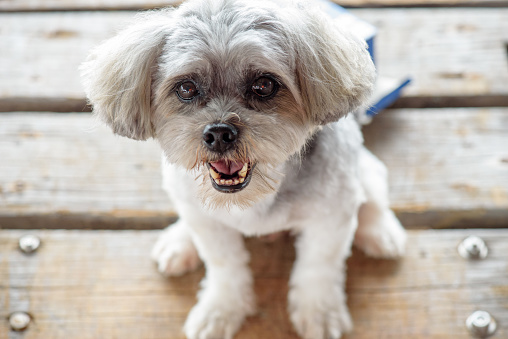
x,y
250,102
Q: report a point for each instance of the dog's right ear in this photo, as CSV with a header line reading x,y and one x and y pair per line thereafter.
x,y
117,75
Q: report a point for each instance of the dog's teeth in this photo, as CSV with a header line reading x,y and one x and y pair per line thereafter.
x,y
243,171
230,182
214,174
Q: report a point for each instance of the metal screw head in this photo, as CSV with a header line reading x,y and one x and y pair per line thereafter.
x,y
29,243
19,321
481,324
473,247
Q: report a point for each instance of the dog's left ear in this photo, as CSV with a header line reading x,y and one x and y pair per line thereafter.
x,y
334,69
117,76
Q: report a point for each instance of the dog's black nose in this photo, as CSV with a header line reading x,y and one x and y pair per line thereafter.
x,y
220,137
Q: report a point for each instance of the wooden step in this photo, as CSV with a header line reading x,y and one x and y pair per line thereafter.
x,y
456,56
447,168
66,171
82,5
101,284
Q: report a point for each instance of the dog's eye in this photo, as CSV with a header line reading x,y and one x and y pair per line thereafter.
x,y
187,90
264,87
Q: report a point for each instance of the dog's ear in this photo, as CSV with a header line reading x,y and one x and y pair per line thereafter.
x,y
117,75
334,69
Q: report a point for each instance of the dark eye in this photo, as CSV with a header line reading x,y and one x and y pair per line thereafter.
x,y
264,87
187,90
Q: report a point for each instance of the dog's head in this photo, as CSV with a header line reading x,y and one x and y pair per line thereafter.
x,y
230,88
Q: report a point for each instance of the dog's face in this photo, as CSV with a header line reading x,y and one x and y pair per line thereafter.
x,y
229,88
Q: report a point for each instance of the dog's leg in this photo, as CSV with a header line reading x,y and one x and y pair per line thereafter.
x,y
174,251
227,295
317,302
379,233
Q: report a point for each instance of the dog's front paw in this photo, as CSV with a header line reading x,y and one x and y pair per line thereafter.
x,y
382,237
174,251
216,320
317,314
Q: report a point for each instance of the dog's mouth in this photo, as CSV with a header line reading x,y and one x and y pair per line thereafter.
x,y
230,176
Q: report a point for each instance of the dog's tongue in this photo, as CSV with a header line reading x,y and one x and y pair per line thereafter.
x,y
227,168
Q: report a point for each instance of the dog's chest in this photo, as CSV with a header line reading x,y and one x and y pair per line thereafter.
x,y
262,218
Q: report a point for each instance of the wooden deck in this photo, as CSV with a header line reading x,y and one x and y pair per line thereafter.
x,y
101,284
70,181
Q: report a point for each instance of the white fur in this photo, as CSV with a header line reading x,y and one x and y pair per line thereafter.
x,y
326,224
312,175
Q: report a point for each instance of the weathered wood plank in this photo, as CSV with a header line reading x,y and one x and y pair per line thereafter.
x,y
40,53
101,284
68,171
448,52
82,5
452,54
448,168
421,3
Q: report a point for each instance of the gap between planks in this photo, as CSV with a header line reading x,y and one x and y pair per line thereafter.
x,y
69,105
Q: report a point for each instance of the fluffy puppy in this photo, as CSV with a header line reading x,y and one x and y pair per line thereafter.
x,y
249,102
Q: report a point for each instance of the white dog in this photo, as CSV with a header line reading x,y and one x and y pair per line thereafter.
x,y
249,102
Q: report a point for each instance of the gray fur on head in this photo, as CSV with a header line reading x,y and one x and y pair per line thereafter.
x,y
322,72
332,71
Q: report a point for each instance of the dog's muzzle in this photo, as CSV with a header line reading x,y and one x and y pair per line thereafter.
x,y
227,176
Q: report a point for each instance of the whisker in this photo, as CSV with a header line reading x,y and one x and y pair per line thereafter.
x,y
251,143
196,161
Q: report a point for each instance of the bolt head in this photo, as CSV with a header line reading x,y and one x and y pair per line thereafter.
x,y
481,324
473,247
29,243
19,321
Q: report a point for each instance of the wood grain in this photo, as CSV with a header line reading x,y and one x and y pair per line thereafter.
x,y
447,52
421,3
67,171
101,284
82,5
451,53
41,53
448,168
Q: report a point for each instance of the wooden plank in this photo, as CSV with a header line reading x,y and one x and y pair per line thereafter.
x,y
421,3
455,56
448,168
68,171
40,55
448,52
83,5
101,284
